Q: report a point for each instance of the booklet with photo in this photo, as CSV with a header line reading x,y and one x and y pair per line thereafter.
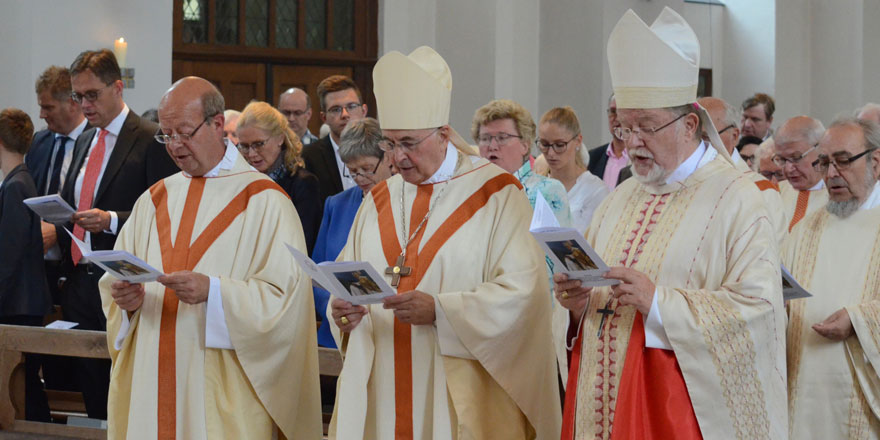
x,y
52,208
120,264
573,256
790,287
354,281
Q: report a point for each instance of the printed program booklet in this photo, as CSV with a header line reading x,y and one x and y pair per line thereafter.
x,y
120,264
354,281
52,208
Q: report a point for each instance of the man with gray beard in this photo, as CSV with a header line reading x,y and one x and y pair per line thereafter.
x,y
833,361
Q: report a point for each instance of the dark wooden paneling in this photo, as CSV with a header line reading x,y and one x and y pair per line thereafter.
x,y
239,82
306,78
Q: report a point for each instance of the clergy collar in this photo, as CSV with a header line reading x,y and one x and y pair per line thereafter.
x,y
819,185
226,163
76,131
447,168
690,164
115,126
873,200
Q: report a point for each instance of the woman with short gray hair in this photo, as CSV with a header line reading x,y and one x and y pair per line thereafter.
x,y
368,165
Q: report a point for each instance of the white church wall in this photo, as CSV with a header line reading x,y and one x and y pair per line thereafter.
x,y
40,33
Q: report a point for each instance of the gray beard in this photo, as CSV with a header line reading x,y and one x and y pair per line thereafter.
x,y
843,209
656,177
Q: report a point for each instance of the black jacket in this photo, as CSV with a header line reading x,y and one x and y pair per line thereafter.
x,y
598,160
320,160
302,187
23,288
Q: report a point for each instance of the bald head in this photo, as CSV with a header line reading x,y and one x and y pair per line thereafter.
x,y
796,142
870,112
193,108
725,118
296,106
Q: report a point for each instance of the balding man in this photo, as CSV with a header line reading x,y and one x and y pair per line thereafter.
x,y
223,346
724,117
869,112
797,141
296,106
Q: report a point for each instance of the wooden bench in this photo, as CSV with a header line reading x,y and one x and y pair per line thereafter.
x,y
17,340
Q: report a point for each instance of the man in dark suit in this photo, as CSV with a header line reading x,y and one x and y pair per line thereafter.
x,y
341,102
24,296
113,164
51,151
610,162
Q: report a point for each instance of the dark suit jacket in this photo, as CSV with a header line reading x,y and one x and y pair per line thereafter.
x,y
320,160
302,187
39,157
598,160
136,163
23,287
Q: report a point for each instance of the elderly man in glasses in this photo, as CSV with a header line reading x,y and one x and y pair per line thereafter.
x,y
833,350
689,343
797,143
112,164
223,345
464,348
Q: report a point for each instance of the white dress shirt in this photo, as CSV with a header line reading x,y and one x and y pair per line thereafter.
x,y
347,181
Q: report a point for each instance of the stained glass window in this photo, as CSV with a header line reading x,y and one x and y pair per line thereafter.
x,y
343,24
316,24
195,21
286,23
226,24
257,22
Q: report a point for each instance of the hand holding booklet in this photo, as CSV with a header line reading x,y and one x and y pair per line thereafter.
x,y
120,264
790,287
567,249
52,208
354,281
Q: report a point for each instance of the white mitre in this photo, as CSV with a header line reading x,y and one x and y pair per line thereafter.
x,y
413,92
658,66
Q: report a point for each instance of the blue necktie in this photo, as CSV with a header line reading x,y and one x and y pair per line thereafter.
x,y
55,180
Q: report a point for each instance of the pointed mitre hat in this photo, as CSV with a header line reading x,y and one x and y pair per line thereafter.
x,y
414,91
657,66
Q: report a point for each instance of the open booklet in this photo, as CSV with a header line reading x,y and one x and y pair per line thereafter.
x,y
119,264
52,208
354,281
790,287
567,249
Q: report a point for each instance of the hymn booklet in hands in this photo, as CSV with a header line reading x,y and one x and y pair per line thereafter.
x,y
790,287
120,264
567,249
354,281
52,208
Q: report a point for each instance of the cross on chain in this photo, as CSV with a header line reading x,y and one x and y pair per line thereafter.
x,y
605,311
399,270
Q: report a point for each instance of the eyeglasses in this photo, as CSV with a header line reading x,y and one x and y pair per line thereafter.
x,y
389,145
501,138
298,113
163,138
89,95
366,174
351,107
624,133
244,148
769,175
558,147
840,161
746,158
781,161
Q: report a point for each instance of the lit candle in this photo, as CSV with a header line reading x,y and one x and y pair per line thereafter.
x,y
120,48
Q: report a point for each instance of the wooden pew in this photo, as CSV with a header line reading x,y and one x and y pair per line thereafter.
x,y
17,340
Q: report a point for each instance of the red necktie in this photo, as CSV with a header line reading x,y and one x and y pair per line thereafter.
x,y
87,193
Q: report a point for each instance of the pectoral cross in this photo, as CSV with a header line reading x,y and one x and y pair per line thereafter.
x,y
605,311
399,270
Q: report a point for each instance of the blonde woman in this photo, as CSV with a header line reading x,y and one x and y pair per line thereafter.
x,y
268,145
561,142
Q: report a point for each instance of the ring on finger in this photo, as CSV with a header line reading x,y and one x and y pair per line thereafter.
x,y
564,294
344,320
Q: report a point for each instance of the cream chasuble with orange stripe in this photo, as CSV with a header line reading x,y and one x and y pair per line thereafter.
x,y
165,383
834,386
799,204
486,369
709,247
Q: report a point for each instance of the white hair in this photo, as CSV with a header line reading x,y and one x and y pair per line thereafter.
x,y
231,114
811,133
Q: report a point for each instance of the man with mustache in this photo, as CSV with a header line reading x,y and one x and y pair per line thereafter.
x,y
689,344
797,142
833,353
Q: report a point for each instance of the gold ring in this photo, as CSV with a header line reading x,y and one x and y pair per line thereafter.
x,y
344,320
564,294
